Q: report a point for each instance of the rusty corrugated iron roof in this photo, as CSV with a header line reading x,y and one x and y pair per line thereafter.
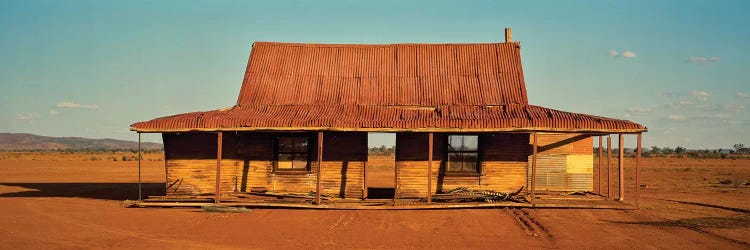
x,y
511,117
394,74
397,87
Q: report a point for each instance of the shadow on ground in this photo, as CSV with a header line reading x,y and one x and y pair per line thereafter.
x,y
102,191
715,222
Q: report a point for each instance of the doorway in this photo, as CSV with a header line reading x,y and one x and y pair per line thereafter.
x,y
380,175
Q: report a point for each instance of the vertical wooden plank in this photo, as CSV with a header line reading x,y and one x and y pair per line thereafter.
x,y
638,170
609,167
429,169
139,167
219,145
395,176
320,167
533,167
365,158
599,182
620,163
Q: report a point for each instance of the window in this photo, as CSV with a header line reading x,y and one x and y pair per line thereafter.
x,y
463,154
292,153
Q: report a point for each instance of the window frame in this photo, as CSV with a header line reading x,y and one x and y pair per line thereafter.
x,y
276,152
478,152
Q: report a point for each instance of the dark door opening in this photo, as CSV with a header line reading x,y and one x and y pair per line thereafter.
x,y
380,175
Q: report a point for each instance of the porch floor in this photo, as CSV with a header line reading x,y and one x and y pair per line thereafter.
x,y
543,200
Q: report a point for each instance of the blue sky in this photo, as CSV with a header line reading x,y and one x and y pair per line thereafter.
x,y
91,68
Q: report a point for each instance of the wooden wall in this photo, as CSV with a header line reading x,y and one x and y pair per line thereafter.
x,y
565,162
247,161
503,164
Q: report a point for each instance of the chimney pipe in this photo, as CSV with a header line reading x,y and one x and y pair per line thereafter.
x,y
508,35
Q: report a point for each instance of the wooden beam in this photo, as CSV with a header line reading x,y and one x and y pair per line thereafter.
x,y
219,146
320,167
599,182
609,166
139,168
533,167
620,168
429,168
395,176
638,170
364,168
522,130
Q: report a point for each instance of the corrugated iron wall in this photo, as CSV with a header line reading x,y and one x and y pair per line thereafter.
x,y
565,162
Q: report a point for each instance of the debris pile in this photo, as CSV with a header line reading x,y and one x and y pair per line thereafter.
x,y
464,194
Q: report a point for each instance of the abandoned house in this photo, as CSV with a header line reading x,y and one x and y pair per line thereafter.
x,y
459,112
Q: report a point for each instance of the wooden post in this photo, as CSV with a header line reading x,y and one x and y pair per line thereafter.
x,y
219,146
508,35
620,163
533,167
429,168
638,170
364,170
395,177
599,183
320,167
609,167
139,167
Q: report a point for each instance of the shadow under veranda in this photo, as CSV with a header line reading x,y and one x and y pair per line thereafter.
x,y
101,191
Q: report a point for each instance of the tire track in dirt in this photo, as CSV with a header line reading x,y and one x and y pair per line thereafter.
x,y
114,231
528,223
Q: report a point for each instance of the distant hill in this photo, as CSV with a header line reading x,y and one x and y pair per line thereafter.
x,y
20,141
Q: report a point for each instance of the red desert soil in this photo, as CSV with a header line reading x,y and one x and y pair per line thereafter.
x,y
68,201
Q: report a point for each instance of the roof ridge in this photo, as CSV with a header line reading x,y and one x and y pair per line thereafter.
x,y
344,45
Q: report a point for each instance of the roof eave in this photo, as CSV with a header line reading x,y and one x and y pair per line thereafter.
x,y
440,130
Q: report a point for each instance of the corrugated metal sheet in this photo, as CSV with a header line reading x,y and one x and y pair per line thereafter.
x,y
394,74
563,173
362,117
409,87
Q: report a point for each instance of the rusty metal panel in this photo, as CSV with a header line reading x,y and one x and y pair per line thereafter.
x,y
398,86
550,173
564,162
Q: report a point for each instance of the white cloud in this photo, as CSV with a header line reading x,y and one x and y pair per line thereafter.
x,y
723,116
734,107
53,112
700,95
703,60
676,117
684,103
74,105
628,54
628,115
24,116
625,54
743,95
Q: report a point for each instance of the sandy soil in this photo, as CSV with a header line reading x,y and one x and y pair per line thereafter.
x,y
67,202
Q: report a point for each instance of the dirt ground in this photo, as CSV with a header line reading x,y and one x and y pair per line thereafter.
x,y
61,201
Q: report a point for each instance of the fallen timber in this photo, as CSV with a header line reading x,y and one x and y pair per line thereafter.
x,y
461,198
